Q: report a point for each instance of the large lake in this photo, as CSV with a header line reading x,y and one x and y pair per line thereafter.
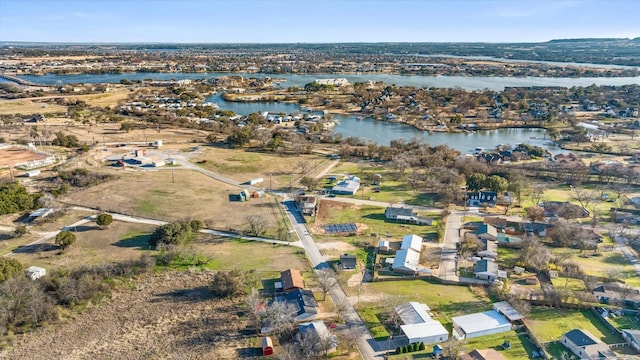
x,y
464,82
383,132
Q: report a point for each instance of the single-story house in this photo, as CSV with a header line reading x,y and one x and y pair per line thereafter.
x,y
406,261
413,242
586,346
611,293
348,262
348,186
291,280
479,324
418,324
35,273
326,342
487,232
632,337
484,354
303,304
482,198
536,228
406,215
487,270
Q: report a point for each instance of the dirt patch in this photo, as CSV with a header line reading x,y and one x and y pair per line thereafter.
x,y
168,315
336,245
11,156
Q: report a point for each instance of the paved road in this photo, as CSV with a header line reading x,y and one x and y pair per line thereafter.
x,y
369,349
449,260
134,219
621,244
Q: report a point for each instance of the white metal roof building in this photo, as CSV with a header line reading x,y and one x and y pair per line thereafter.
x,y
479,324
406,261
507,310
419,326
413,242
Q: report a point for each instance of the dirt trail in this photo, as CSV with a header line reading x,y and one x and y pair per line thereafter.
x,y
168,316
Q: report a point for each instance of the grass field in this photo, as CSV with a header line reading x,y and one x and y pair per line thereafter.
x,y
275,169
119,242
192,196
391,191
29,107
549,324
445,301
607,264
372,217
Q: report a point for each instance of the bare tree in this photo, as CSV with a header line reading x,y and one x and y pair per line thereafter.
x,y
326,282
304,166
254,302
257,224
453,348
279,316
582,196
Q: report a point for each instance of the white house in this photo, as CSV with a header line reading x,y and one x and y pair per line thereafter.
x,y
325,341
586,346
418,324
35,273
406,261
413,242
479,324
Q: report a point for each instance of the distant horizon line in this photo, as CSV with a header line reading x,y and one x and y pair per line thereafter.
x,y
10,42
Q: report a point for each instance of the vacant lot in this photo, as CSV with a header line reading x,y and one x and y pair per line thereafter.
x,y
168,315
119,242
276,170
29,107
177,195
12,156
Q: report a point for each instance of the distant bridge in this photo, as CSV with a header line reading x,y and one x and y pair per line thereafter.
x,y
18,80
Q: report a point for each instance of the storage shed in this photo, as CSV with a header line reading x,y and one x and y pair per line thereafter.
x,y
267,346
479,324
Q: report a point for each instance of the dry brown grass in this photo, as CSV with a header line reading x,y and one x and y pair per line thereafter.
x,y
29,107
119,242
243,165
192,196
168,315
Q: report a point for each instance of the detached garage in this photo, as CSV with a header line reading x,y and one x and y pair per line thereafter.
x,y
479,324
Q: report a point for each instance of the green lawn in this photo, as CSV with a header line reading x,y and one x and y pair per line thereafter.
x,y
371,317
444,300
568,283
549,324
521,346
604,263
373,217
625,322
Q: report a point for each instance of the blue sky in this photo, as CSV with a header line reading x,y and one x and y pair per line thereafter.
x,y
262,21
